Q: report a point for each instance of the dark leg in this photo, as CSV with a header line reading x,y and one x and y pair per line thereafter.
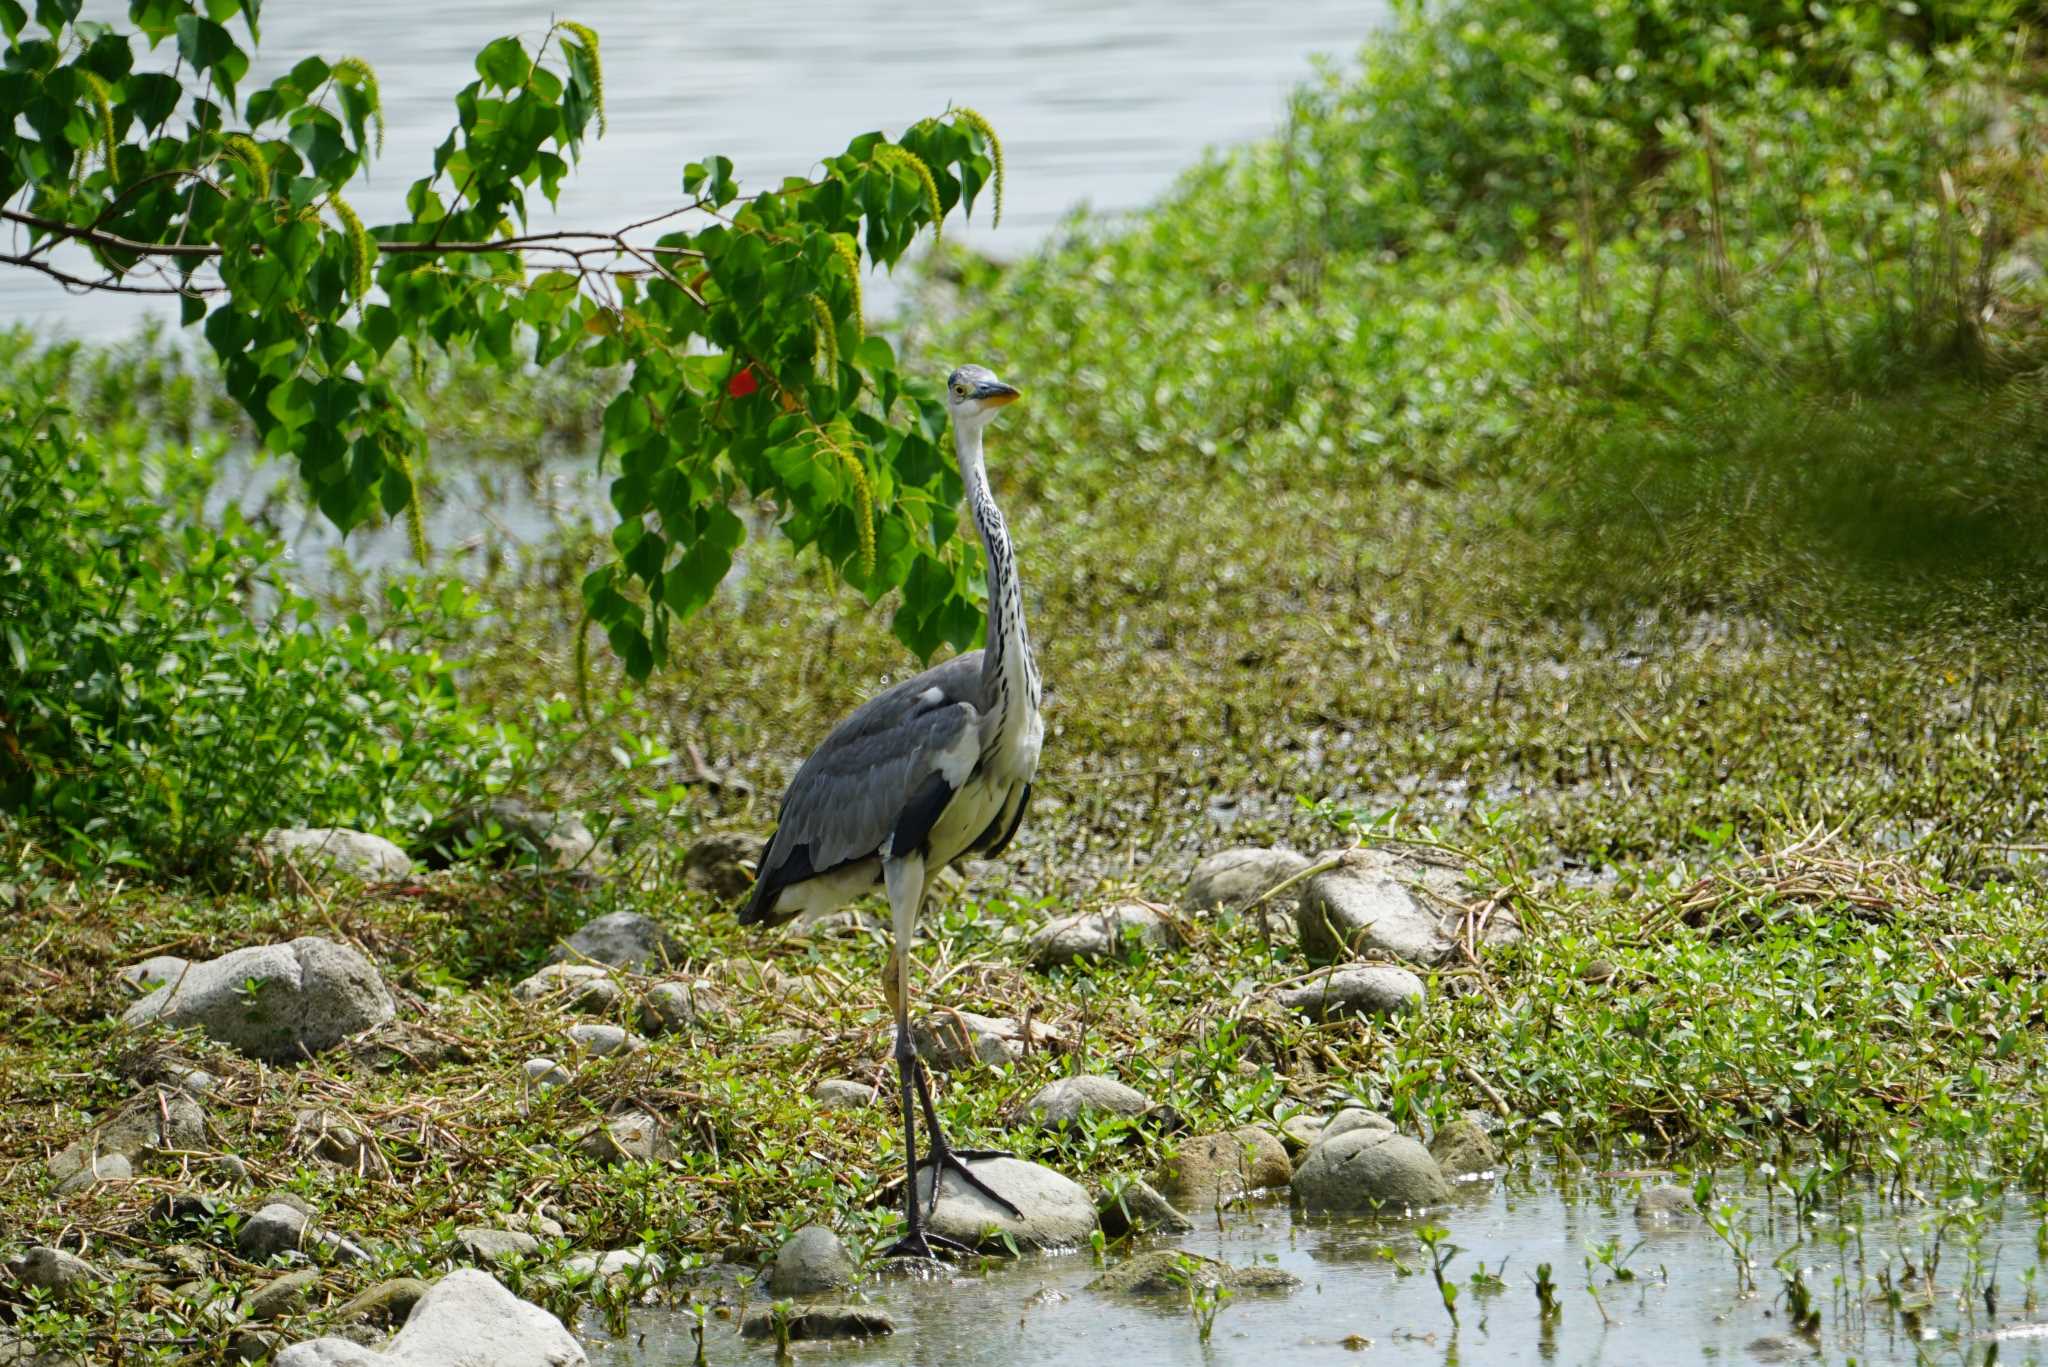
x,y
944,1158
917,1241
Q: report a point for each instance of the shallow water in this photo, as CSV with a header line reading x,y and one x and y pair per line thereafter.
x,y
1370,1279
1097,103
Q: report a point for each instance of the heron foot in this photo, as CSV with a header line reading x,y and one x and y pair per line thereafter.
x,y
943,1160
922,1243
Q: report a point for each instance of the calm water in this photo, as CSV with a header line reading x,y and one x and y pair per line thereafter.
x,y
1367,1296
1097,102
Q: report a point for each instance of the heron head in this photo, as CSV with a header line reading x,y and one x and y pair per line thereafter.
x,y
973,394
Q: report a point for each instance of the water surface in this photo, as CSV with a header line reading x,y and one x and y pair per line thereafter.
x,y
1097,103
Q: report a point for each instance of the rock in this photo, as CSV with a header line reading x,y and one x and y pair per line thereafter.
x,y
107,1167
672,1008
154,972
820,1322
465,1320
272,1229
838,1095
184,1260
53,1270
1172,1271
617,1262
1361,990
575,987
632,1136
1369,1169
230,1169
488,1245
813,1260
723,864
184,1210
1057,1212
329,1135
158,1120
406,1047
194,1081
385,1304
545,1072
284,1295
1302,1130
1665,1204
622,939
1400,905
1066,1100
1208,1169
1140,1209
308,995
1354,1118
506,831
602,1041
948,1040
1231,880
336,849
1462,1149
1100,935
253,1345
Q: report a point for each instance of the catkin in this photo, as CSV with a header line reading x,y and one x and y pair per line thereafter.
x,y
849,256
889,154
415,521
103,108
365,80
361,250
245,150
973,119
828,331
588,38
863,498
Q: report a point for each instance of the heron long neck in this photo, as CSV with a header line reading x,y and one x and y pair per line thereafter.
x,y
1009,674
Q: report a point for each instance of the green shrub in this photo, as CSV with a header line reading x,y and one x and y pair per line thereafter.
x,y
164,691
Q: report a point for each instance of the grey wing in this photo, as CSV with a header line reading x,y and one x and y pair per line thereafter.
x,y
890,767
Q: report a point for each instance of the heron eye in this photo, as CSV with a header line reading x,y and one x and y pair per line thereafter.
x,y
959,391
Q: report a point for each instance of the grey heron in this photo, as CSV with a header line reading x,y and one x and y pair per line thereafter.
x,y
936,767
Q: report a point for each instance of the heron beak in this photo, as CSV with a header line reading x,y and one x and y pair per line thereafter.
x,y
998,394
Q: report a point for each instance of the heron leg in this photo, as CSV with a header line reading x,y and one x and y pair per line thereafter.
x,y
905,879
944,1158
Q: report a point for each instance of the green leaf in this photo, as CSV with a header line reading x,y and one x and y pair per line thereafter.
x,y
504,63
13,18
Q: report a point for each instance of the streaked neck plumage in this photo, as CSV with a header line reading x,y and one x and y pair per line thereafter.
x,y
1009,673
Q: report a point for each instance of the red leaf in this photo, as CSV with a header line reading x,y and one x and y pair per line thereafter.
x,y
742,384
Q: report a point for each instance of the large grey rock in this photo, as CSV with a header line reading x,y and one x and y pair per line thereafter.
x,y
1173,1271
275,1002
284,1295
1221,1167
53,1270
488,1244
1100,935
275,1228
1369,1170
676,1007
949,1040
602,1041
617,1262
107,1167
622,939
1360,990
1139,1209
336,849
1462,1149
1230,880
161,1119
466,1320
507,831
154,972
838,1094
1066,1100
1379,901
1057,1212
1354,1118
1665,1204
631,1136
545,1072
575,987
819,1322
813,1260
723,863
